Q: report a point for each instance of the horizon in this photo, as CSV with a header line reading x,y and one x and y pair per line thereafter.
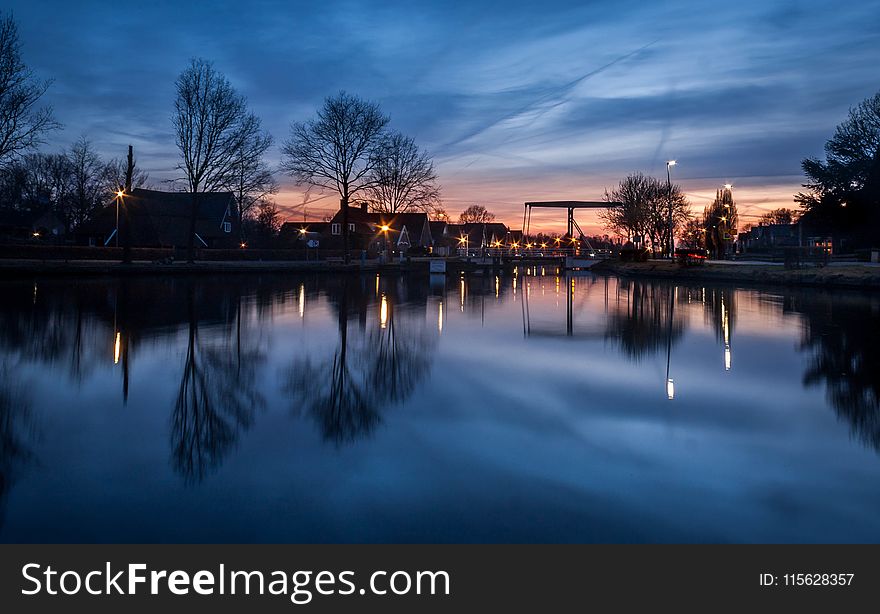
x,y
513,103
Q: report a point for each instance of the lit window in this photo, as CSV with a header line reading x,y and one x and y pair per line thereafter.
x,y
334,229
227,227
351,227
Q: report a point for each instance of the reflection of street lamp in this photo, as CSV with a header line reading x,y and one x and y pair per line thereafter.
x,y
383,312
669,164
670,385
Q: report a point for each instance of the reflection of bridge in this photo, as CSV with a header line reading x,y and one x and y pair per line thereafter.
x,y
570,308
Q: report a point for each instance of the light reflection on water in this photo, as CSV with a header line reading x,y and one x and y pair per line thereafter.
x,y
365,408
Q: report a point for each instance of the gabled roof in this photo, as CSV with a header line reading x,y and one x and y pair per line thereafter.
x,y
365,222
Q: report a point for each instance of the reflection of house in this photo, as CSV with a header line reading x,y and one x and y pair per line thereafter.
x,y
162,219
15,224
375,231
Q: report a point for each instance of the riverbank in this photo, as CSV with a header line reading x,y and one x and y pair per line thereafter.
x,y
845,276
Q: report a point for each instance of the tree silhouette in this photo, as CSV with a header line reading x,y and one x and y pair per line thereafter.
x,y
843,338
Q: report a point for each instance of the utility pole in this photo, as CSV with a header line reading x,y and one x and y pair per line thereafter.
x,y
126,218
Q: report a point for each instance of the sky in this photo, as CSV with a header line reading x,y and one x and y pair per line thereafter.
x,y
515,100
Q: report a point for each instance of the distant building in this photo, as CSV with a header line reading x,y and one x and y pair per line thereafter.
x,y
162,219
767,237
293,234
377,232
32,225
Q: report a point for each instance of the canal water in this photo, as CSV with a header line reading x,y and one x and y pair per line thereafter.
x,y
517,408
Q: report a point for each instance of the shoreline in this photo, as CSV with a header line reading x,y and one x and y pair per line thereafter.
x,y
851,277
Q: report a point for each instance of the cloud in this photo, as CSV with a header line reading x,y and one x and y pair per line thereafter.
x,y
515,99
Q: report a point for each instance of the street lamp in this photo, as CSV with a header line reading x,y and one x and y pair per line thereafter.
x,y
669,164
384,228
119,195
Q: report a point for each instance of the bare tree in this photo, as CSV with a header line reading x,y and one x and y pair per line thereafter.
x,y
22,123
335,150
87,173
476,214
403,177
439,214
780,216
629,219
209,116
116,173
252,182
645,209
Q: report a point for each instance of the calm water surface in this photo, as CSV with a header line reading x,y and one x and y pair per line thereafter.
x,y
397,409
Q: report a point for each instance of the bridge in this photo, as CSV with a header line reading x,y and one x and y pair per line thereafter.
x,y
570,206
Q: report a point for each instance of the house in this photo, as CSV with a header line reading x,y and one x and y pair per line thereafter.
x,y
292,234
767,237
162,219
380,232
26,224
440,245
478,235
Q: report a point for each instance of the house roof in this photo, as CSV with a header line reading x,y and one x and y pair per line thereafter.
x,y
369,223
162,218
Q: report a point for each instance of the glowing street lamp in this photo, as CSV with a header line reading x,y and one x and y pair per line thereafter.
x,y
670,389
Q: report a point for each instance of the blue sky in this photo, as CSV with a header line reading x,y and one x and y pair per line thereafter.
x,y
516,100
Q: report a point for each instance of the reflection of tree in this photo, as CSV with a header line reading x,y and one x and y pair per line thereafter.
x,y
843,335
217,399
397,362
16,427
640,323
345,392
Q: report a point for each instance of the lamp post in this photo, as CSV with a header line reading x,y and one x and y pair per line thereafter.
x,y
119,195
669,164
384,228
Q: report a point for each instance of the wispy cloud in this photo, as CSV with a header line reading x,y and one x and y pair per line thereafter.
x,y
516,100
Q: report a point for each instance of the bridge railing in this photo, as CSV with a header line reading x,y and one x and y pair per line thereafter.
x,y
534,252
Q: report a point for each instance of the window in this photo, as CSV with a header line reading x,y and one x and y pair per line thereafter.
x,y
334,229
350,227
227,227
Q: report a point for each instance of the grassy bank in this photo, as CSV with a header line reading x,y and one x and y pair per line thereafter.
x,y
850,276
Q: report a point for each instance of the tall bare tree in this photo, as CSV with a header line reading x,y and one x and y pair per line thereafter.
x,y
335,150
22,122
403,177
253,181
209,119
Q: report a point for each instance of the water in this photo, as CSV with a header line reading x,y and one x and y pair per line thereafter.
x,y
400,409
